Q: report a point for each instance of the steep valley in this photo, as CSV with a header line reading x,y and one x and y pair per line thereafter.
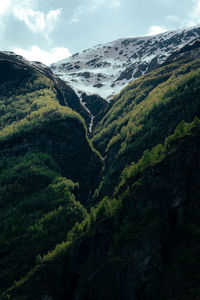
x,y
110,211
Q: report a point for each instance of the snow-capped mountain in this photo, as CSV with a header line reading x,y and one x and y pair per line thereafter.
x,y
106,68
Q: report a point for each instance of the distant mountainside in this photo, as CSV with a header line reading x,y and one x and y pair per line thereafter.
x,y
106,68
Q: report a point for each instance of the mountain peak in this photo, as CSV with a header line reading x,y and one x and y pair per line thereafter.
x,y
106,68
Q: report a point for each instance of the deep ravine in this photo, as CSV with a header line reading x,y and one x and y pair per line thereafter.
x,y
90,114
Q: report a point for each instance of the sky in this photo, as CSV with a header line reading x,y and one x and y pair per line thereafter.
x,y
51,30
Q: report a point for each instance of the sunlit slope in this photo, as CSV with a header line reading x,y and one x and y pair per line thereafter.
x,y
144,114
47,164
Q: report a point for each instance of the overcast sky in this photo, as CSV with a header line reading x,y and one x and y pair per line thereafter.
x,y
52,30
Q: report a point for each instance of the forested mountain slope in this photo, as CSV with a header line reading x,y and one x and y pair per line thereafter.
x,y
144,114
17,76
43,148
139,237
142,243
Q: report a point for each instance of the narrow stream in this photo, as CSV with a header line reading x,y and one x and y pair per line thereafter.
x,y
89,112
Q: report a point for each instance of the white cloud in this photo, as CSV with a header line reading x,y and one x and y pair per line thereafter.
x,y
153,30
25,11
37,21
76,14
4,10
34,53
97,4
115,4
4,7
94,5
194,15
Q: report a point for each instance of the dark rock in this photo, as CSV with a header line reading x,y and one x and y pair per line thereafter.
x,y
98,85
97,106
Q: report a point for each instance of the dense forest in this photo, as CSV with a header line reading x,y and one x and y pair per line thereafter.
x,y
108,214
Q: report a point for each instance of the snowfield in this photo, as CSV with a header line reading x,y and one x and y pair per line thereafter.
x,y
107,68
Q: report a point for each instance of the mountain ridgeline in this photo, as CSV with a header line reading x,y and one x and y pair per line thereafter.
x,y
108,213
107,68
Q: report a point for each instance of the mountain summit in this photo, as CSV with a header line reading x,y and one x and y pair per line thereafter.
x,y
106,68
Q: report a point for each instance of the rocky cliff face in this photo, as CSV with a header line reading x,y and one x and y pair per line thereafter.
x,y
97,106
